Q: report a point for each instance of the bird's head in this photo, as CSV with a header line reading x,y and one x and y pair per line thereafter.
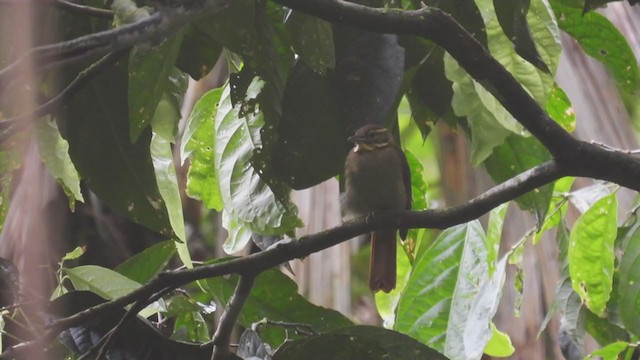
x,y
370,137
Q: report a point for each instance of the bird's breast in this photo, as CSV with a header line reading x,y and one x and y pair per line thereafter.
x,y
374,181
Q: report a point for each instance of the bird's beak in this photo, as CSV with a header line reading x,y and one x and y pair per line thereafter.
x,y
352,139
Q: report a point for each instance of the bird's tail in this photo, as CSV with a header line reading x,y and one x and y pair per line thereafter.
x,y
382,267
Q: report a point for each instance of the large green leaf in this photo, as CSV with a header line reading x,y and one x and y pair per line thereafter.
x,y
250,204
599,38
198,145
449,299
358,342
102,281
96,126
629,286
145,265
54,151
275,296
591,256
149,72
516,155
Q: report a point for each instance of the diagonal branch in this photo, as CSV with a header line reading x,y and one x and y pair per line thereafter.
x,y
254,264
12,125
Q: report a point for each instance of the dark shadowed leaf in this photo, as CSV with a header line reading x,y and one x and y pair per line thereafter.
x,y
121,174
512,16
275,296
320,112
312,40
198,53
149,72
384,344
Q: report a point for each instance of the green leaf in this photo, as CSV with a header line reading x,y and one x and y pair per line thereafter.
x,y
418,185
609,352
600,39
312,39
149,72
198,53
167,114
74,254
559,107
194,325
449,299
144,265
275,296
558,205
198,144
162,158
500,344
591,256
486,131
494,235
629,286
386,303
584,198
364,342
120,173
512,16
54,151
102,281
516,155
250,204
487,118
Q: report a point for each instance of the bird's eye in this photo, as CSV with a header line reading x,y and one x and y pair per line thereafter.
x,y
371,135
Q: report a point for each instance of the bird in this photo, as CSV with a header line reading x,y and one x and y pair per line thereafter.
x,y
377,179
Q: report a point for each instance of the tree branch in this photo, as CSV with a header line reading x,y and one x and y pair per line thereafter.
x,y
15,124
83,9
254,264
228,320
156,26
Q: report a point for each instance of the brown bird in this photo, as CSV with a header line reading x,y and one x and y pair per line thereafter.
x,y
377,179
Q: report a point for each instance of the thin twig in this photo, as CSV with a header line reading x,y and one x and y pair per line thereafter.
x,y
615,149
15,124
228,320
299,328
158,25
83,9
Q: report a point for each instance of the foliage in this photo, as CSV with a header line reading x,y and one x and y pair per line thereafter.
x,y
298,86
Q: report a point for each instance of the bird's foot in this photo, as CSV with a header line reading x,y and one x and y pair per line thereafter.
x,y
370,217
